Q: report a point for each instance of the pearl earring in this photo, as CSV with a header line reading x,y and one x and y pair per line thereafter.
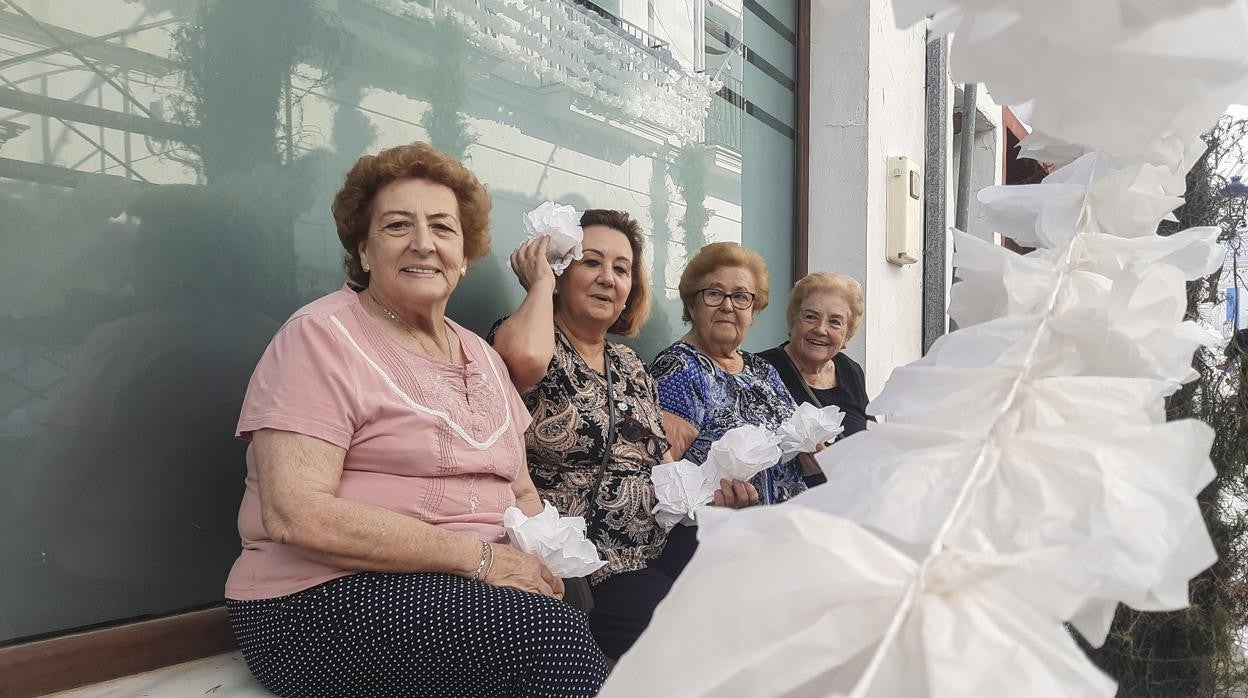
x,y
365,267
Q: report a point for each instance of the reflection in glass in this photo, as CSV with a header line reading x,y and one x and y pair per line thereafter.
x,y
166,168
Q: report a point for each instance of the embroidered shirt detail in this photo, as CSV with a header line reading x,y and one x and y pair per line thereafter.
x,y
446,418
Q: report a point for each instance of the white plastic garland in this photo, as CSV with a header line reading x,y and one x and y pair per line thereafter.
x,y
1024,475
557,43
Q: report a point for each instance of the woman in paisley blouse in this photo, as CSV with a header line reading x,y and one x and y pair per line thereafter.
x,y
556,349
707,385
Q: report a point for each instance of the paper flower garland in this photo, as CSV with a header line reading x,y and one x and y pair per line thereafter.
x,y
807,643
683,487
1024,475
1088,68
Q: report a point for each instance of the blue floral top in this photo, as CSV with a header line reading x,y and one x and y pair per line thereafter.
x,y
694,388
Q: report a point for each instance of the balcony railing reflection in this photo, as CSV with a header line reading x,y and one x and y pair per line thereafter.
x,y
725,120
630,32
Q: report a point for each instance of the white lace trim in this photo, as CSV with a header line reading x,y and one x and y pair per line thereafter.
x,y
479,445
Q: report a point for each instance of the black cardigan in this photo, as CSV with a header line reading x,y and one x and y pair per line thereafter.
x,y
850,393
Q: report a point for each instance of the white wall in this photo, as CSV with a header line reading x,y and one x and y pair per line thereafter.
x,y
867,104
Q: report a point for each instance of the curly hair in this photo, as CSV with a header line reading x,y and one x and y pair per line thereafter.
x,y
352,206
637,310
718,255
842,285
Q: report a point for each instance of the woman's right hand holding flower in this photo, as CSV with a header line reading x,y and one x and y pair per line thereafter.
x,y
530,264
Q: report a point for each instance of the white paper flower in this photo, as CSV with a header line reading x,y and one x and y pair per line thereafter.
x,y
558,541
1123,201
809,428
936,397
995,281
1130,325
743,452
563,225
680,489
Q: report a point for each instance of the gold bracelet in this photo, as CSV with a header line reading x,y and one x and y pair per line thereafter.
x,y
485,551
490,567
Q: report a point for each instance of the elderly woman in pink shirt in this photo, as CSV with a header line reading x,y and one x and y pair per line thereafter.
x,y
386,442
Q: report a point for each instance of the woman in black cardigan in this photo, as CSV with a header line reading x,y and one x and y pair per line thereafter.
x,y
825,309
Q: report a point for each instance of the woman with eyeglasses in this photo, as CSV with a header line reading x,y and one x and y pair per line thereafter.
x,y
707,385
597,430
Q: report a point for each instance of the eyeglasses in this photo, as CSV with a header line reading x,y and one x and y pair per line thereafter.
x,y
631,429
741,300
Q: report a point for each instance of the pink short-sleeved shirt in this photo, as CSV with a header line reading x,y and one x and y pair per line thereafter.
x,y
429,439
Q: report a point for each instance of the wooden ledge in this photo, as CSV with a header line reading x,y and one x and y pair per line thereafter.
x,y
61,663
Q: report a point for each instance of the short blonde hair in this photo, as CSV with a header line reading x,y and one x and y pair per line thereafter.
x,y
718,255
847,287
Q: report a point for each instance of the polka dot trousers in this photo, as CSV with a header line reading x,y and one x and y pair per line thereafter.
x,y
417,635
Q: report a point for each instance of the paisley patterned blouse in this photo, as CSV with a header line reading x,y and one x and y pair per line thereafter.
x,y
565,447
694,388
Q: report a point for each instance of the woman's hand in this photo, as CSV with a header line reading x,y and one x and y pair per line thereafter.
x,y
520,570
735,494
680,434
807,461
530,264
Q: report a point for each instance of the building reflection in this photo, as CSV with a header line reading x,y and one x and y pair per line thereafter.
x,y
165,177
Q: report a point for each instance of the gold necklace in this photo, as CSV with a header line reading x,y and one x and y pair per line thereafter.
x,y
412,331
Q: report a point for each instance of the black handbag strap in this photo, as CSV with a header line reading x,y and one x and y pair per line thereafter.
x,y
609,441
810,394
